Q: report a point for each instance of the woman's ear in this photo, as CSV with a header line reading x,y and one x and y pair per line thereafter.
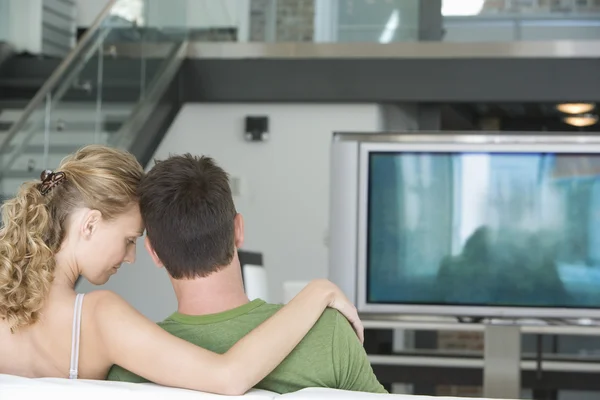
x,y
90,224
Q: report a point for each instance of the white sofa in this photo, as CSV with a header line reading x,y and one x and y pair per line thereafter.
x,y
18,388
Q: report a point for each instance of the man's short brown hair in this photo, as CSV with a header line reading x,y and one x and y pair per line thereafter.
x,y
188,210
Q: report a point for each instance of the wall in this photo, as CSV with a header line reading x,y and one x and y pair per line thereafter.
x,y
38,26
284,187
22,25
4,20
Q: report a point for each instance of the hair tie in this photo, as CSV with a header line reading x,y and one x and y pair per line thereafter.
x,y
50,180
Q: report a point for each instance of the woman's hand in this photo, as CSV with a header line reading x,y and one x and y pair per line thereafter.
x,y
339,301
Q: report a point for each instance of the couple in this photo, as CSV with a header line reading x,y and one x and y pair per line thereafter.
x,y
84,219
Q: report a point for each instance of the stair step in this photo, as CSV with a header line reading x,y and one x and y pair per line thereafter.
x,y
22,83
76,131
76,128
68,112
66,126
38,149
62,138
35,83
30,66
34,162
13,103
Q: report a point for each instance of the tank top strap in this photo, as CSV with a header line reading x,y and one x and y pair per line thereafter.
x,y
75,334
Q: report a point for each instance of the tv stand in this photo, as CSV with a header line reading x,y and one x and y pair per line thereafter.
x,y
502,362
504,369
470,320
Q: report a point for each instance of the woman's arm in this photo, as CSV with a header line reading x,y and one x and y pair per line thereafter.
x,y
137,344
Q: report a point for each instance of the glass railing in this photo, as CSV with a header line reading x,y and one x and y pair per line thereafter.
x,y
102,89
521,20
369,21
387,21
525,7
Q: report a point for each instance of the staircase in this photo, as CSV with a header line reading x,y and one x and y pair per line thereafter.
x,y
99,93
72,126
73,123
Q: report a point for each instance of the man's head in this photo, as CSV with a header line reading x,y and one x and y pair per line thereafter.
x,y
191,223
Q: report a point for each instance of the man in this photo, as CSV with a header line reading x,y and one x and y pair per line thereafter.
x,y
194,231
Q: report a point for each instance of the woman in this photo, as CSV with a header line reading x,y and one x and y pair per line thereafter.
x,y
84,220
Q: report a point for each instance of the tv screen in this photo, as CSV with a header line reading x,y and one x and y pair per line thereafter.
x,y
483,229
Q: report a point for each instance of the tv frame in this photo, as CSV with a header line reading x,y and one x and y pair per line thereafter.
x,y
349,209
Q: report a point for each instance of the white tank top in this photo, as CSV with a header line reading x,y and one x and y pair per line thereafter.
x,y
76,332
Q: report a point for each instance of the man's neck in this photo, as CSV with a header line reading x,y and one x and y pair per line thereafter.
x,y
218,292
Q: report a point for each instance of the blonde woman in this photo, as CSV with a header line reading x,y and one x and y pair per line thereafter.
x,y
83,220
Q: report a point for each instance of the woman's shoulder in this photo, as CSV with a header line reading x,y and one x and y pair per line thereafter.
x,y
103,305
109,316
102,299
102,296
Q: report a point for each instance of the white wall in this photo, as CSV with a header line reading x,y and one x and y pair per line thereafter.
x,y
285,187
38,26
4,20
22,25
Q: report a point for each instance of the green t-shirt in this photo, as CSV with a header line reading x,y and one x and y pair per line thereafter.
x,y
329,356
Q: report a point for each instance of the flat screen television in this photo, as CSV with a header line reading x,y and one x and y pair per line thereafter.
x,y
467,225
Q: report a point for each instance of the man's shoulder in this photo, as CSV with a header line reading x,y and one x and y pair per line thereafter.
x,y
328,319
330,325
311,364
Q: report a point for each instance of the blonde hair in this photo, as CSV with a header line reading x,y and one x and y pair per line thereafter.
x,y
97,177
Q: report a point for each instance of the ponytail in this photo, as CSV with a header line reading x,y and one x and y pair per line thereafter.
x,y
26,257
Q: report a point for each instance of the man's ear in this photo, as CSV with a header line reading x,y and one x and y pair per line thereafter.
x,y
150,249
238,230
90,223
